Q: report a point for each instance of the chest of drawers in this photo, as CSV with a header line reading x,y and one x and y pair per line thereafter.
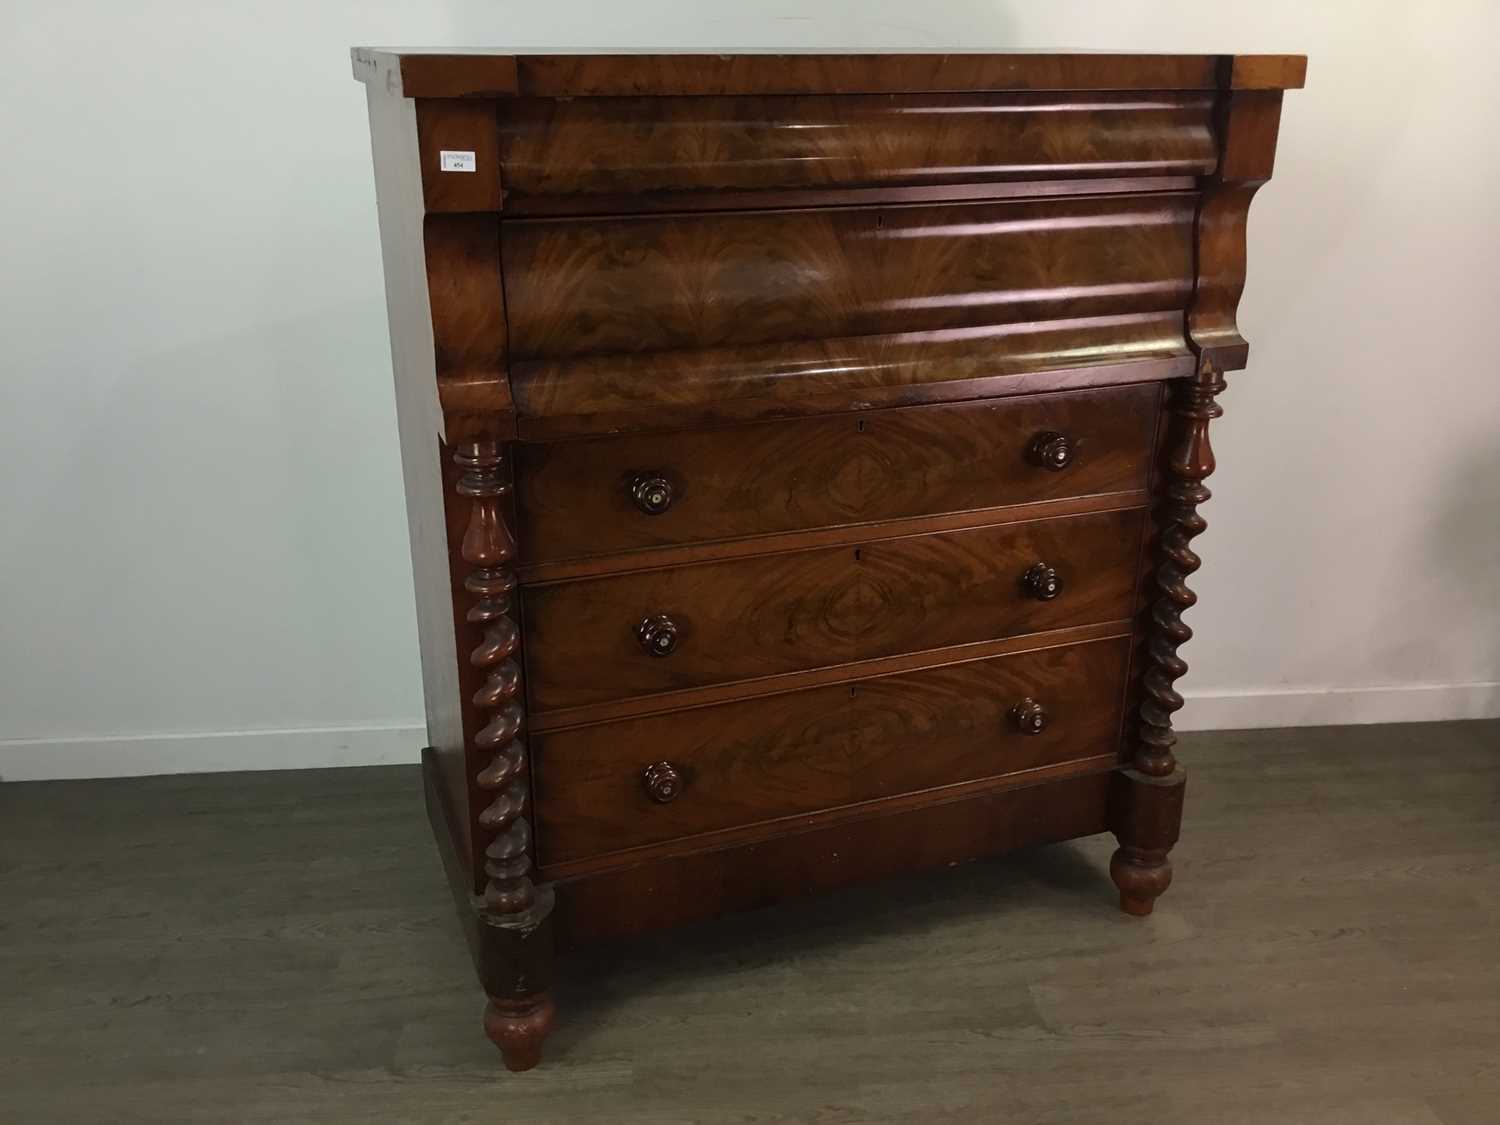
x,y
802,454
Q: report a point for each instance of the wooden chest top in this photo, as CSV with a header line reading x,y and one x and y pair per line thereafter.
x,y
418,73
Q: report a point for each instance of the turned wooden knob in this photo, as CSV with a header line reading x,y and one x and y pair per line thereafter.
x,y
1030,716
662,781
651,492
1052,450
1041,582
658,635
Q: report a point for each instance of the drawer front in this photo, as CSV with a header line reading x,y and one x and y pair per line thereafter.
x,y
570,148
649,284
596,640
754,760
605,495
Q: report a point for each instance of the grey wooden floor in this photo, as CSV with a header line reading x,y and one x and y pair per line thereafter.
x,y
280,947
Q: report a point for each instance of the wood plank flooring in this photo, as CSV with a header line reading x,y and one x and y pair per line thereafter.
x,y
280,947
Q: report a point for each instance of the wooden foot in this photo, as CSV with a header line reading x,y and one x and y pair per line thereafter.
x,y
518,1028
515,958
1142,874
1145,815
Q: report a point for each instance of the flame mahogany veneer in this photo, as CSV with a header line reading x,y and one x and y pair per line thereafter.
x,y
802,454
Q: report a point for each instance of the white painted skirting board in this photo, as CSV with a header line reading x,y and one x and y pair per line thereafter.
x,y
306,747
214,752
1332,706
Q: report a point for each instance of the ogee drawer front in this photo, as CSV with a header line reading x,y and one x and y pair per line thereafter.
x,y
594,640
604,495
612,786
572,147
607,285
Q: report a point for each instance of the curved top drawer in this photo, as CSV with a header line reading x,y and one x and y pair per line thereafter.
x,y
576,287
555,149
756,314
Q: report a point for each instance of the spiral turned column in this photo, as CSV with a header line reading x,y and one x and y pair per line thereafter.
x,y
1190,461
520,1012
1147,803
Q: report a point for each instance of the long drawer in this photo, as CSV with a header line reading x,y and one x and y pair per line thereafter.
x,y
567,149
595,640
612,786
605,495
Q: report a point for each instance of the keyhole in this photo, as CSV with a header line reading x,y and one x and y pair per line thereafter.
x,y
859,426
856,554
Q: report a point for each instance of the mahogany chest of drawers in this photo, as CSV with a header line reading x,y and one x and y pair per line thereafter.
x,y
801,456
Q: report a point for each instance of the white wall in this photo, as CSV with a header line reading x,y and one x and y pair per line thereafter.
x,y
202,550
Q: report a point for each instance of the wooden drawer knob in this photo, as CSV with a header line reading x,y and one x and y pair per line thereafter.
x,y
651,492
662,782
1029,716
1052,450
658,635
1041,582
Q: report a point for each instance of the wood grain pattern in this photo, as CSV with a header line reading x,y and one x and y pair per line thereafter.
x,y
678,889
574,499
654,322
807,609
578,287
466,126
632,146
1251,120
621,75
884,807
681,389
467,308
419,73
785,199
821,749
663,702
1267,72
834,535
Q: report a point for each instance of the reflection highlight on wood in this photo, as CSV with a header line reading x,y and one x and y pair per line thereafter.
x,y
823,748
807,609
674,390
577,147
652,284
581,498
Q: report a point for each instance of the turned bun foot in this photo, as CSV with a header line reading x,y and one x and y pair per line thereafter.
x,y
1142,875
518,1028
